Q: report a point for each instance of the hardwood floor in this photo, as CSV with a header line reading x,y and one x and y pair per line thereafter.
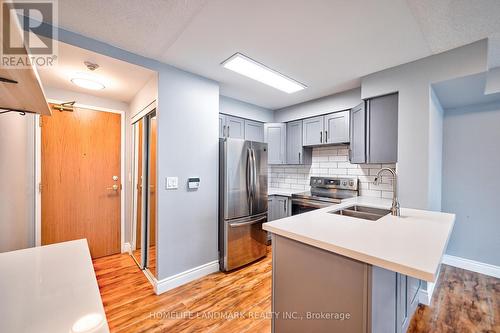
x,y
463,302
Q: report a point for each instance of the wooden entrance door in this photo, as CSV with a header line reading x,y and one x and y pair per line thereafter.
x,y
81,182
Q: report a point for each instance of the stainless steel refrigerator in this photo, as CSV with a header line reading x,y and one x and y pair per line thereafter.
x,y
242,202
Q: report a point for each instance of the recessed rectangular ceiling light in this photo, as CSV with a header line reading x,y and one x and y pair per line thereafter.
x,y
245,66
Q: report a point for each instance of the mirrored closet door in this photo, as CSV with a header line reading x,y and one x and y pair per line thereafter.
x,y
144,222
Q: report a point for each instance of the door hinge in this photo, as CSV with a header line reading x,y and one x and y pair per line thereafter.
x,y
40,187
40,121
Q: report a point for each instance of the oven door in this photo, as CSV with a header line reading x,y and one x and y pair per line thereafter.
x,y
300,206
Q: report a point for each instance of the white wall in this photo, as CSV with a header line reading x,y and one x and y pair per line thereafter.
x,y
145,96
241,109
17,167
85,99
436,115
336,102
412,81
471,182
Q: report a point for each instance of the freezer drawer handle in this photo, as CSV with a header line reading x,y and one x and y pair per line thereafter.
x,y
234,225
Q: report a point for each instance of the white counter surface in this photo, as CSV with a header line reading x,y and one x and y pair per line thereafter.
x,y
412,244
49,289
286,192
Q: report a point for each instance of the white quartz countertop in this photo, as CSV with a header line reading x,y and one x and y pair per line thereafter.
x,y
50,288
287,192
412,244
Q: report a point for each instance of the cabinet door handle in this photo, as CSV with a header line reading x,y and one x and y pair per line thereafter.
x,y
228,131
321,137
299,158
326,136
224,131
284,205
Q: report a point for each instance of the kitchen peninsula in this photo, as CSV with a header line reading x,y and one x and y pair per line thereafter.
x,y
365,272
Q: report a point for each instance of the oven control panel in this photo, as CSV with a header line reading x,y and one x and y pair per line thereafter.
x,y
334,182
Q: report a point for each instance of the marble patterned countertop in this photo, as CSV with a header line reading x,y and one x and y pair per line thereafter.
x,y
412,244
52,289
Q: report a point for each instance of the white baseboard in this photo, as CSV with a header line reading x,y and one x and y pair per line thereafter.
x,y
425,295
471,265
126,248
177,280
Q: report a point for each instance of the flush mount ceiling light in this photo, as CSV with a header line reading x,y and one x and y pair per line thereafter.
x,y
245,66
88,81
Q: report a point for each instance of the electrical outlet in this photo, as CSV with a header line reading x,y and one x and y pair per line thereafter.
x,y
172,183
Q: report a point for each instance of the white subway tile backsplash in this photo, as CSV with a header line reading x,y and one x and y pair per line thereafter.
x,y
332,161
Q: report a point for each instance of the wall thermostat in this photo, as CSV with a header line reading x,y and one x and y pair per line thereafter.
x,y
193,183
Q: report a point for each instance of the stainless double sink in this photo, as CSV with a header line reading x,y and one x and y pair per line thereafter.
x,y
362,212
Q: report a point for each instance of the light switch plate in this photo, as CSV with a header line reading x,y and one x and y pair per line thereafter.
x,y
172,183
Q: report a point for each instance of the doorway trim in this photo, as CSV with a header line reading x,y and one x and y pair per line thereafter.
x,y
124,247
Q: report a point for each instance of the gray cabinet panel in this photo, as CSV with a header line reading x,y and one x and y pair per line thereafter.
x,y
235,127
222,125
275,137
336,128
254,131
357,150
313,131
382,134
383,300
279,207
310,280
295,152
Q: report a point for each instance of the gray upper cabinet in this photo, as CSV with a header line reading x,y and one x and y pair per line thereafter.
x,y
275,137
295,151
254,131
313,131
222,125
374,131
382,129
337,127
235,127
357,149
329,129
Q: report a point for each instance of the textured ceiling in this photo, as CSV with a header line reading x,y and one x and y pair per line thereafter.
x,y
326,44
121,79
447,24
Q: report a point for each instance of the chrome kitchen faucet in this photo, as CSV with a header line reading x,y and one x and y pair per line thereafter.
x,y
395,209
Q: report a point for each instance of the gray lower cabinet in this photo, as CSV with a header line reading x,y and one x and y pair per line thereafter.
x,y
296,153
337,127
275,137
254,131
377,300
279,206
374,131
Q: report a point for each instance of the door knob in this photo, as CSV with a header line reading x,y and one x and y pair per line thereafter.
x,y
113,188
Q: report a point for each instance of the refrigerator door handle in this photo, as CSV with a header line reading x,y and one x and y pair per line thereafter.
x,y
249,177
241,224
254,174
